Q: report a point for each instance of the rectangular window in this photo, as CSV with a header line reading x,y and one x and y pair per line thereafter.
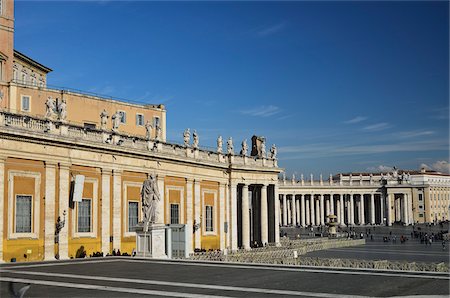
x,y
123,117
24,78
139,120
33,81
420,215
174,214
420,197
90,126
23,214
156,122
25,103
84,216
133,216
209,219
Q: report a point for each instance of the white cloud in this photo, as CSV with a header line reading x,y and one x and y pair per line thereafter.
x,y
377,126
262,111
271,29
440,166
355,120
380,168
414,133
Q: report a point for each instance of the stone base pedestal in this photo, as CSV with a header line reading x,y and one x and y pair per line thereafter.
x,y
151,242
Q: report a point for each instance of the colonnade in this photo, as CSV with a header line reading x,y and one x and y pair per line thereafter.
x,y
350,209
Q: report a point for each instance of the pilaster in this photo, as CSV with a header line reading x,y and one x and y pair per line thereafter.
x,y
293,213
222,202
106,209
322,211
49,222
362,215
234,220
64,193
189,215
302,208
245,218
117,204
372,209
277,217
197,214
2,205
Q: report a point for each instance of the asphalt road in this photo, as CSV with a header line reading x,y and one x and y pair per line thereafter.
x,y
130,277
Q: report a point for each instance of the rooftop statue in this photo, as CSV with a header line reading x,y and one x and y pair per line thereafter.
x,y
230,148
116,117
148,130
273,152
219,144
244,149
103,119
195,139
62,110
50,107
187,137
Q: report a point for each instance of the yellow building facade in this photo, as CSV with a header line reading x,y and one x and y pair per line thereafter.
x,y
50,138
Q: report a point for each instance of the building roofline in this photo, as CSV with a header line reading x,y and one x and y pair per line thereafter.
x,y
32,62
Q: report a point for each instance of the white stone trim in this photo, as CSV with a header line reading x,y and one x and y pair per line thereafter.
x,y
21,103
94,212
181,203
35,201
125,201
203,208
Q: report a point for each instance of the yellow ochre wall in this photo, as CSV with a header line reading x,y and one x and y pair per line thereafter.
x,y
91,244
86,109
17,248
209,191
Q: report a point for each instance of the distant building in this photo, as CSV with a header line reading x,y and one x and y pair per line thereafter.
x,y
405,197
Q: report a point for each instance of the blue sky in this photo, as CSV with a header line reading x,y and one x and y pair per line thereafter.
x,y
338,86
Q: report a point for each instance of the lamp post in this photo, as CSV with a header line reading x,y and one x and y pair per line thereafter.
x,y
58,227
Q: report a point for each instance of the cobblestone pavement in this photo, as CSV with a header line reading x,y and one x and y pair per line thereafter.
x,y
130,277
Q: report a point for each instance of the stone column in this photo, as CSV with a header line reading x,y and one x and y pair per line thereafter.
x,y
338,212
372,209
312,204
361,205
221,216
284,211
2,205
382,209
388,212
297,210
293,214
197,214
64,193
117,208
307,216
405,210
322,211
234,220
106,211
327,209
410,209
277,219
318,212
332,204
190,215
50,202
352,211
245,218
302,208
264,216
341,207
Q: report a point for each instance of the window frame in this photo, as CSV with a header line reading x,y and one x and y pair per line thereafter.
x,y
78,216
22,97
156,119
34,234
31,213
128,217
125,200
167,203
140,115
123,118
215,207
94,212
209,228
178,213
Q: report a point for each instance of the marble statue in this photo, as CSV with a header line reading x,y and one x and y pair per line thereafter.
x,y
320,178
148,130
244,149
62,110
311,177
49,107
284,176
158,133
302,178
195,139
293,179
230,148
186,137
263,148
116,117
103,119
150,200
273,152
331,178
219,144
